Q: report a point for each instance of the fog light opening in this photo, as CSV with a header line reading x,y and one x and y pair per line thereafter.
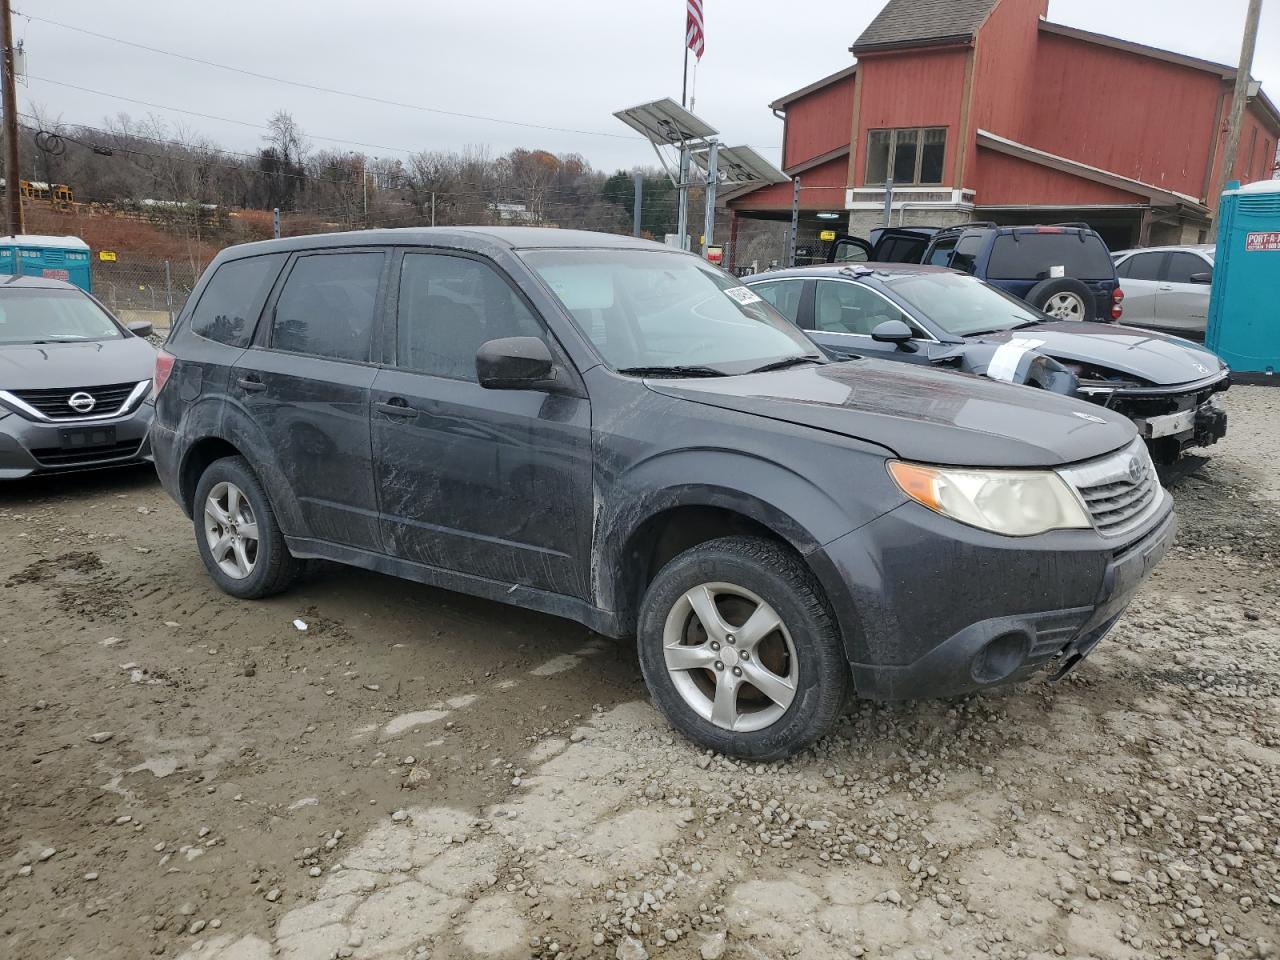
x,y
1000,657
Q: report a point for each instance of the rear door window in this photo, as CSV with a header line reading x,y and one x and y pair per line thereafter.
x,y
326,308
967,252
1141,266
784,295
1183,265
228,309
940,255
1034,256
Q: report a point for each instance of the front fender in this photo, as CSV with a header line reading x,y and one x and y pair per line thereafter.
x,y
796,506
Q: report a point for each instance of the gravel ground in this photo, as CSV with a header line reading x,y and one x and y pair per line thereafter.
x,y
418,774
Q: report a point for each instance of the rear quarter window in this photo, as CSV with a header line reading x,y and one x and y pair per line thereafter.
x,y
232,300
1033,256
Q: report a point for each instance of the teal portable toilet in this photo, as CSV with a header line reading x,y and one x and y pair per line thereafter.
x,y
1244,306
59,258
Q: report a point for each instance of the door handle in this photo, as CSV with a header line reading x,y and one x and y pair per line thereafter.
x,y
396,408
251,385
1166,288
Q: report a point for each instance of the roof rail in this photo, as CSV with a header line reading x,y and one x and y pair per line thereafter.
x,y
972,223
1073,223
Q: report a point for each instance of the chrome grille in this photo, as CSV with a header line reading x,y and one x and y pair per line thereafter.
x,y
55,404
1120,490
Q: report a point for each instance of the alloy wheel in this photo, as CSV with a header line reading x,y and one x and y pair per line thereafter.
x,y
231,530
1065,306
730,657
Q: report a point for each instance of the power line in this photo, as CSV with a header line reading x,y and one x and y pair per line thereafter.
x,y
329,90
210,116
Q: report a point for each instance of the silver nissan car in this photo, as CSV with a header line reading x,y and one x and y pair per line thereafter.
x,y
74,381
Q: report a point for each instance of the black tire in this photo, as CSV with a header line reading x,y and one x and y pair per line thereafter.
x,y
775,575
1046,290
274,568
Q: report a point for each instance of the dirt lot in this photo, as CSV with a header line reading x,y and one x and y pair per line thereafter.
x,y
419,774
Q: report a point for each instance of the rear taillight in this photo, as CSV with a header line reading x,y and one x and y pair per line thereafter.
x,y
164,367
1117,311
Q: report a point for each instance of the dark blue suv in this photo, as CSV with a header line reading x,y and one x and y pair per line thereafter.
x,y
1064,270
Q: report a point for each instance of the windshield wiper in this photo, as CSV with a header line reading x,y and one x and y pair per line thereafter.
x,y
676,371
785,362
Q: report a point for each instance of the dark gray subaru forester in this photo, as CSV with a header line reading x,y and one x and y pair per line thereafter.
x,y
616,432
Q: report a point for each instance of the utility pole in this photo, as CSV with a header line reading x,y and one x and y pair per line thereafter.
x,y
12,181
638,203
795,223
1240,97
433,208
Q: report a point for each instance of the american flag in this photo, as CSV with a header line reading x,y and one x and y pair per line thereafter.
x,y
695,39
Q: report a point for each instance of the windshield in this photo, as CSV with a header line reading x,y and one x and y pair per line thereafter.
x,y
646,310
960,304
52,316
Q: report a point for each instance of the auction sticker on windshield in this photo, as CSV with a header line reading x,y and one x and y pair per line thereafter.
x,y
1257,242
742,295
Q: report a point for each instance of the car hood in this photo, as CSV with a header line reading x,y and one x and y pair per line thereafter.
x,y
48,366
1157,358
920,414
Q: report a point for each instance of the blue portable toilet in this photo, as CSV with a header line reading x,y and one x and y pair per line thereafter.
x,y
1244,306
60,258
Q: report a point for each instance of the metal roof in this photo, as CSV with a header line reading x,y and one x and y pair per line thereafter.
x,y
814,87
906,23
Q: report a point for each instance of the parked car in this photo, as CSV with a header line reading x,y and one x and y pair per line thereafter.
x,y
1167,287
616,432
938,317
882,245
1063,270
73,378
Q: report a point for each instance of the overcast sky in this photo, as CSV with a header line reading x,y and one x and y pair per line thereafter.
x,y
560,63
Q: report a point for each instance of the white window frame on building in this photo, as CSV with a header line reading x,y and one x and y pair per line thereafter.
x,y
917,137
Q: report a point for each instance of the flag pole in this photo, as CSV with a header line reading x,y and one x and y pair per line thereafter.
x,y
684,87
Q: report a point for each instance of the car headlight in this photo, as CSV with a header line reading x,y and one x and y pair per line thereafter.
x,y
1015,503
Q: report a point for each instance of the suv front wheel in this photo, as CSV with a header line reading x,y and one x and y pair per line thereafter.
x,y
740,650
237,534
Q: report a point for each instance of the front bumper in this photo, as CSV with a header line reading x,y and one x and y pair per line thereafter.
x,y
28,447
1170,419
931,608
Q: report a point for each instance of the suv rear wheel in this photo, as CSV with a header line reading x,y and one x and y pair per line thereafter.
x,y
237,534
740,650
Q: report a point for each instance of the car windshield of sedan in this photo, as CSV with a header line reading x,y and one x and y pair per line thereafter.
x,y
52,316
656,312
962,305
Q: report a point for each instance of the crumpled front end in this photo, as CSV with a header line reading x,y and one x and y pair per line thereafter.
x,y
1169,418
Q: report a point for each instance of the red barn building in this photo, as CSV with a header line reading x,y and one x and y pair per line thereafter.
x,y
983,109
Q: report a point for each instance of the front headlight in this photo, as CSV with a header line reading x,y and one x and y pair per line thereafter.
x,y
1011,502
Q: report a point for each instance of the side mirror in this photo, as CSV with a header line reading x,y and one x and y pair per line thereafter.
x,y
892,331
515,363
1206,277
141,328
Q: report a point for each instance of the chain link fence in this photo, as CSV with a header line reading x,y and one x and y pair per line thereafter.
x,y
139,288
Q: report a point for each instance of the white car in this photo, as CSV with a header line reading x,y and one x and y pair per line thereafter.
x,y
1167,287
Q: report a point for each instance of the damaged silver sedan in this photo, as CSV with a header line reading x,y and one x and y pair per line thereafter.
x,y
942,318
